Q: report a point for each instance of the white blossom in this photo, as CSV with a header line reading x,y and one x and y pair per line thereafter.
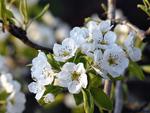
x,y
105,26
92,25
65,51
73,77
133,52
49,98
41,70
88,49
16,103
37,89
15,100
114,61
9,84
41,34
104,42
79,35
98,57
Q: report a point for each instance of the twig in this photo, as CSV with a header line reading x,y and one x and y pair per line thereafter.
x,y
110,15
107,87
118,98
111,9
20,34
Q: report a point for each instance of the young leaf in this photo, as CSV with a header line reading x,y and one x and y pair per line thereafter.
x,y
42,12
78,98
101,99
53,62
24,10
94,80
53,89
88,101
135,70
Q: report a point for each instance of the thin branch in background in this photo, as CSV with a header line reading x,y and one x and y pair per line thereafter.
x,y
20,34
110,15
118,98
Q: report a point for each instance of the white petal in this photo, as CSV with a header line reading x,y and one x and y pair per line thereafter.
x,y
88,49
101,72
80,68
110,37
57,49
97,36
69,67
39,94
135,54
98,56
74,87
49,98
64,75
69,42
105,26
121,62
41,58
92,25
61,82
83,80
129,42
78,35
33,87
16,86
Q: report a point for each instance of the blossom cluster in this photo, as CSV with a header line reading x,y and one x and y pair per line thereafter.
x,y
98,42
15,99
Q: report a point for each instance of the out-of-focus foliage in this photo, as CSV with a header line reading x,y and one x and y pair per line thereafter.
x,y
145,7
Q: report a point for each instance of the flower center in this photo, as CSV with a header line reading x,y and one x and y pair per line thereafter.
x,y
47,72
103,42
75,75
112,61
65,53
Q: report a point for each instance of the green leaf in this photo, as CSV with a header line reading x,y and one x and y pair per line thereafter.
x,y
53,62
3,95
88,101
9,14
85,60
24,10
53,89
94,80
42,12
101,99
116,78
78,98
135,70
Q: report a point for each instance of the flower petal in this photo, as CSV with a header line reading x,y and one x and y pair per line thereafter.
x,y
49,98
83,80
74,87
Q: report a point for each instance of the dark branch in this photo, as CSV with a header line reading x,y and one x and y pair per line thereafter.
x,y
20,34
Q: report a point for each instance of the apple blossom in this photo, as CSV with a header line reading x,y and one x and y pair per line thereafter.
x,y
79,35
133,52
114,61
73,77
65,51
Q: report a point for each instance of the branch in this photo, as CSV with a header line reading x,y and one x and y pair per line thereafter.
x,y
20,34
118,98
110,15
